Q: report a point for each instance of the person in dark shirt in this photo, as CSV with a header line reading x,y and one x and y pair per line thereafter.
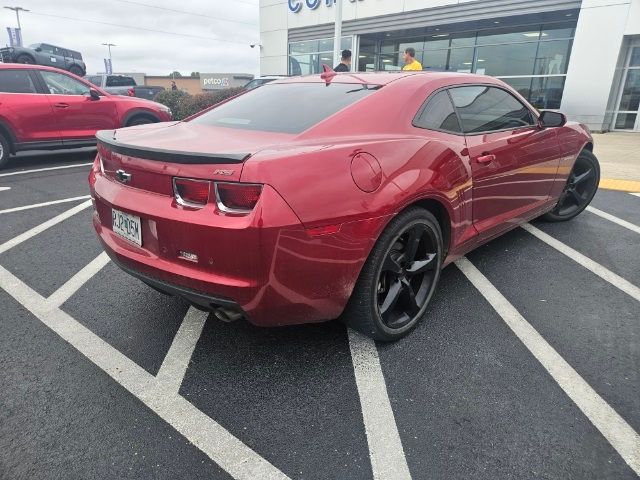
x,y
345,63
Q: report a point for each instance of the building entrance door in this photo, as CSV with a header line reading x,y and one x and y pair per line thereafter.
x,y
627,115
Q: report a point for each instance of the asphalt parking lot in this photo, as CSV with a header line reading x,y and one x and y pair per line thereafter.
x,y
528,365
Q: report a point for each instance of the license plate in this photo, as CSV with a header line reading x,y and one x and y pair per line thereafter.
x,y
127,226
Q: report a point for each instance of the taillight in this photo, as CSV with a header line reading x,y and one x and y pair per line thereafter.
x,y
131,92
190,192
95,168
237,197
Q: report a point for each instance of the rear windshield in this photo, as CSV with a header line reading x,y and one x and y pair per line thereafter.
x,y
119,81
285,108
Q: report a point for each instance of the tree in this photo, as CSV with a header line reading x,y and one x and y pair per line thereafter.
x,y
195,74
175,74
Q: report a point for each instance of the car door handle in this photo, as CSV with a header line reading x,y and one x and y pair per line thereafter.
x,y
61,105
486,158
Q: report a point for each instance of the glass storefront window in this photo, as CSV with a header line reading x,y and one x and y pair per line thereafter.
x,y
634,61
626,121
390,62
303,47
460,60
557,30
520,85
552,57
307,58
417,46
466,39
546,92
515,59
508,35
434,60
630,99
436,42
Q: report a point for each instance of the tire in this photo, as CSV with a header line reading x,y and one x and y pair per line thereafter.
x,y
5,151
140,120
580,189
24,58
76,70
371,308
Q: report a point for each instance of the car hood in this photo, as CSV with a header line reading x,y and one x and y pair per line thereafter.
x,y
185,142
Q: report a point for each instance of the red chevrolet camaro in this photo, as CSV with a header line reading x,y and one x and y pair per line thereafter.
x,y
329,196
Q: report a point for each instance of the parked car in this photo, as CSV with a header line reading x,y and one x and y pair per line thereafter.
x,y
348,203
45,54
47,108
123,85
257,82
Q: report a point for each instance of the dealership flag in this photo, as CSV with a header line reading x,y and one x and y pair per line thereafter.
x,y
107,66
15,37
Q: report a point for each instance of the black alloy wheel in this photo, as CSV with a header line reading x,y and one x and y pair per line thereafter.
x,y
580,189
25,59
76,71
399,277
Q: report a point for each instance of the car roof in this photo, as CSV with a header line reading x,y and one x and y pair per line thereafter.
x,y
28,66
383,78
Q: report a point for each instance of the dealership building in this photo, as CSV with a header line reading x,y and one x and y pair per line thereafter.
x,y
582,57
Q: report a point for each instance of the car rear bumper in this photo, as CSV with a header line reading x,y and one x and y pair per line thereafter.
x,y
265,265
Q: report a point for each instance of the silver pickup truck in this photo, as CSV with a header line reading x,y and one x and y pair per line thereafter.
x,y
123,85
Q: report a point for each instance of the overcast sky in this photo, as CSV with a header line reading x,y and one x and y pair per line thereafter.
x,y
214,36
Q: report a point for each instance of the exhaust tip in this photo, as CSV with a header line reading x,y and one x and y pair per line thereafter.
x,y
226,315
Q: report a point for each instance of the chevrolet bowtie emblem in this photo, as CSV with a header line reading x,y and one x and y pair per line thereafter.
x,y
123,176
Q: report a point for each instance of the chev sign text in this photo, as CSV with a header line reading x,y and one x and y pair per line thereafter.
x,y
296,5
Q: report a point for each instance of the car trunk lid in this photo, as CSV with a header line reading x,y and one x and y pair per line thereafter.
x,y
149,157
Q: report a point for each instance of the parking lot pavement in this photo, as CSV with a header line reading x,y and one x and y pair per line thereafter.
x,y
527,365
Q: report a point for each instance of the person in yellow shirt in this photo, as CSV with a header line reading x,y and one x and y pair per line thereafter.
x,y
409,57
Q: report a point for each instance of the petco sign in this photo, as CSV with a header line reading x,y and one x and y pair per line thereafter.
x,y
296,5
218,81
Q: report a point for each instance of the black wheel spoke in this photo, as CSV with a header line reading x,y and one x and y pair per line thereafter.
x,y
413,242
420,266
391,265
409,298
582,177
577,198
390,300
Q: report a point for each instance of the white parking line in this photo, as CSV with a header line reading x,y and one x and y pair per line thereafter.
x,y
174,365
45,204
615,429
611,218
385,447
607,275
636,194
4,189
223,448
74,283
36,170
42,227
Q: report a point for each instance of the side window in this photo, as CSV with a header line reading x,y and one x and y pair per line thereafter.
x,y
485,109
438,114
47,48
95,79
60,84
16,81
118,81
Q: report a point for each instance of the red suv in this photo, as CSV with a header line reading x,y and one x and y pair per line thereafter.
x,y
44,108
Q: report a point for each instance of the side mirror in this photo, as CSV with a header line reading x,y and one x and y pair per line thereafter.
x,y
38,49
94,94
550,119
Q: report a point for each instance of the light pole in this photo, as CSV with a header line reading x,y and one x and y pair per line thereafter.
x,y
18,10
109,45
337,40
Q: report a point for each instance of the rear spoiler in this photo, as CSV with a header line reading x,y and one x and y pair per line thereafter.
x,y
107,139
